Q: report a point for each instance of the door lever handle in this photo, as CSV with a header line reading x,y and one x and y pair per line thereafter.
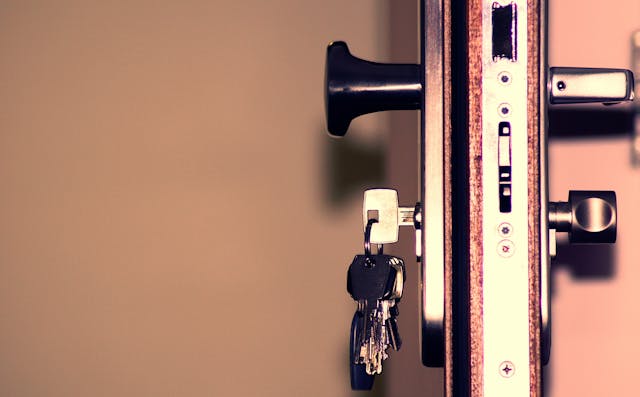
x,y
590,85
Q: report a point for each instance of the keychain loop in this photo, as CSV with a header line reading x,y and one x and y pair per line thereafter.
x,y
367,239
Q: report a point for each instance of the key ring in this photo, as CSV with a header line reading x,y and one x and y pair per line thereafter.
x,y
367,239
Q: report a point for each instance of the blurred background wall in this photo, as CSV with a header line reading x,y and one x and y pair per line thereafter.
x,y
595,289
175,221
168,226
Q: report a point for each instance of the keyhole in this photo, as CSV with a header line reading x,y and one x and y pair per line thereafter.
x,y
561,85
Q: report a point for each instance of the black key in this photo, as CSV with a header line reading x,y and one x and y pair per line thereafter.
x,y
371,278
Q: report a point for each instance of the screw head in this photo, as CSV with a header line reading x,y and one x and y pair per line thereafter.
x,y
507,369
505,229
506,248
504,109
504,78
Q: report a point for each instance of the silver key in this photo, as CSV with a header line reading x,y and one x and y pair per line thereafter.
x,y
382,205
374,350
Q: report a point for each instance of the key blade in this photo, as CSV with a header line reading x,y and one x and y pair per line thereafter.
x,y
394,335
378,339
360,380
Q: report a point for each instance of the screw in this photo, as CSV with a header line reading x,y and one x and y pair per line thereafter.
x,y
504,109
504,78
505,229
507,369
506,248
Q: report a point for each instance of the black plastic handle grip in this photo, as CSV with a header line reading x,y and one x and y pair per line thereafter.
x,y
354,87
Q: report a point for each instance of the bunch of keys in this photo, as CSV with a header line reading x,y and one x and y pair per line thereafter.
x,y
375,282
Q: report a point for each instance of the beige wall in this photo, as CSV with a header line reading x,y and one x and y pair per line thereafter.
x,y
166,222
169,225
